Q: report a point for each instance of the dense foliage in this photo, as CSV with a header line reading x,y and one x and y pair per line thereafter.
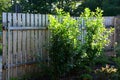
x,y
64,42
67,51
96,37
74,7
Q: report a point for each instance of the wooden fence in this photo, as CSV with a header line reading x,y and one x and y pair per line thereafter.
x,y
25,37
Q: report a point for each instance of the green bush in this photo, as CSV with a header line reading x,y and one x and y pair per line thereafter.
x,y
66,50
86,77
64,42
96,37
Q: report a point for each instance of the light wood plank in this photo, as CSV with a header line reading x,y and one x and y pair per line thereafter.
x,y
36,44
27,19
19,56
47,21
28,47
39,20
28,41
23,20
40,45
4,21
4,54
36,20
32,20
23,43
43,20
19,20
9,46
24,49
14,19
15,51
32,45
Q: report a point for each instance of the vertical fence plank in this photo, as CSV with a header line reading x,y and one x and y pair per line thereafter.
x,y
28,19
9,46
15,51
14,19
23,43
36,20
33,37
36,43
19,54
47,21
43,47
19,20
28,49
4,38
39,20
40,44
4,55
15,47
46,45
28,38
14,44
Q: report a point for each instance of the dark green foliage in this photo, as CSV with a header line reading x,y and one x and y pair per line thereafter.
x,y
101,60
48,6
63,43
111,5
96,37
67,51
86,77
74,7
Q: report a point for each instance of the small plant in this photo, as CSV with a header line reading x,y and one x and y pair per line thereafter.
x,y
117,48
86,77
108,69
14,78
106,72
101,60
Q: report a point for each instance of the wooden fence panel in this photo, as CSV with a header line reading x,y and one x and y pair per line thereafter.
x,y
23,44
109,21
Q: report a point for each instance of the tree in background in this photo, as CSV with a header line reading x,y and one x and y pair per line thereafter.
x,y
74,7
111,7
106,5
91,4
37,6
48,6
